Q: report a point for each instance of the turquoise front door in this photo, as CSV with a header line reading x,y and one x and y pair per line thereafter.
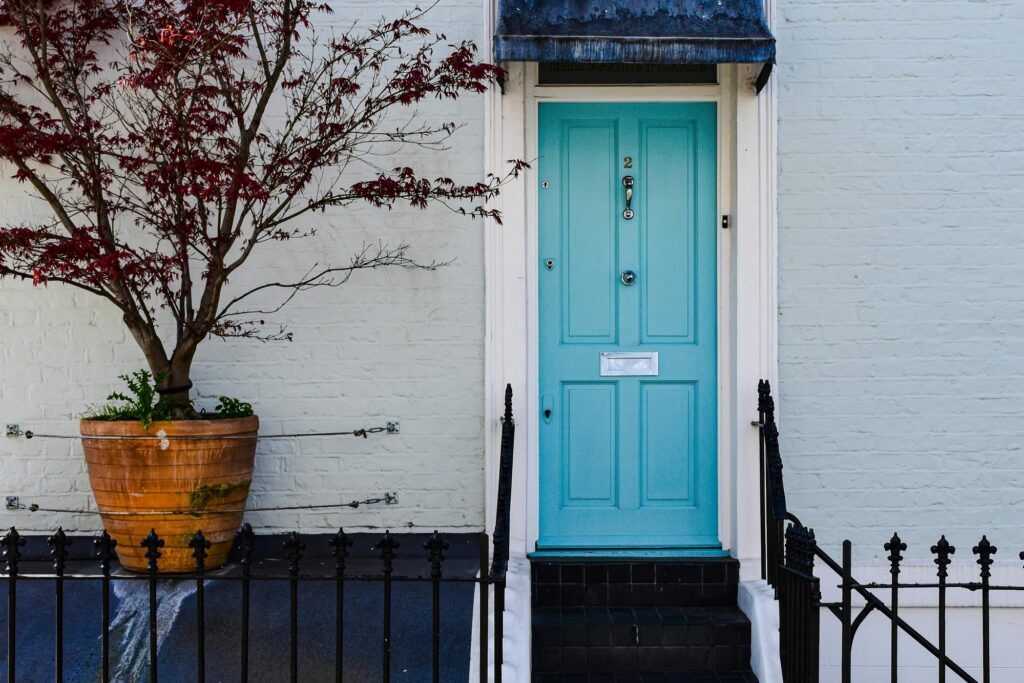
x,y
628,369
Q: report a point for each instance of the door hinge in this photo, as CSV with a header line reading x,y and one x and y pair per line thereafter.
x,y
725,222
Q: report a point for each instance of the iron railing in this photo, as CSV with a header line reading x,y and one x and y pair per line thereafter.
x,y
787,557
499,559
103,570
788,566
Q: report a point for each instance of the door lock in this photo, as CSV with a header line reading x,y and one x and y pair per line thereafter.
x,y
627,183
628,278
547,408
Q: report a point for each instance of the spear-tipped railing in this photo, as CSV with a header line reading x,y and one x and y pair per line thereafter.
x,y
295,569
789,551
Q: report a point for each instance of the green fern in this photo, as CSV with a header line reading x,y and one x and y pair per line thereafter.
x,y
141,403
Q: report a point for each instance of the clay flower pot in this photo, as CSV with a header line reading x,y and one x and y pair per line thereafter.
x,y
204,480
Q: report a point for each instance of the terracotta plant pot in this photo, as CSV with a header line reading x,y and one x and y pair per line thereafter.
x,y
138,481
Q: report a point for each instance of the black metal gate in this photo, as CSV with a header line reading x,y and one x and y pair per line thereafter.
x,y
789,551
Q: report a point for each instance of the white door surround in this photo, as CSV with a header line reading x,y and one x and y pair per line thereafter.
x,y
746,282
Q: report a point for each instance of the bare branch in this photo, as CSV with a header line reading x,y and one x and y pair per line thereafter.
x,y
369,258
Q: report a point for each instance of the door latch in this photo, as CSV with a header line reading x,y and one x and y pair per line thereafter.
x,y
627,183
547,408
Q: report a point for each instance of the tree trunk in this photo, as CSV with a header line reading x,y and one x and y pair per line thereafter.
x,y
174,389
176,372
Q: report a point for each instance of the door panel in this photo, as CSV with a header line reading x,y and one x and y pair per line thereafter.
x,y
667,234
628,461
588,250
667,421
590,470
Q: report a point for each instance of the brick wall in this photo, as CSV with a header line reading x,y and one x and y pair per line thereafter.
x,y
901,209
389,345
901,298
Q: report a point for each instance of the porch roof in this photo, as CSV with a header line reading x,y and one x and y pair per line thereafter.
x,y
634,31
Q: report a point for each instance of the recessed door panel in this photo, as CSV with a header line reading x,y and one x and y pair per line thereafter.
x,y
667,234
668,442
590,469
627,326
587,251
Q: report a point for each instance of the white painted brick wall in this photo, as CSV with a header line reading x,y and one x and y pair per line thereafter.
x,y
901,210
872,644
871,651
390,344
902,301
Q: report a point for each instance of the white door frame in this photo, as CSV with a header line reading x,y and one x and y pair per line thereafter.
x,y
747,327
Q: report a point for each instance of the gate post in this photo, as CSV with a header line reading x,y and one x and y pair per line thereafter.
x,y
799,605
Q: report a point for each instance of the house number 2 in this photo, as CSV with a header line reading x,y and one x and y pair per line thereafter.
x,y
627,162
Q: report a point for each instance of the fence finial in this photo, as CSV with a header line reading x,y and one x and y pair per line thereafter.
x,y
59,544
152,543
894,547
293,547
387,547
104,546
244,541
765,402
984,550
199,546
340,543
942,550
12,544
436,545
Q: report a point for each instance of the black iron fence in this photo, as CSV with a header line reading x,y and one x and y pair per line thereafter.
x,y
789,550
787,557
292,569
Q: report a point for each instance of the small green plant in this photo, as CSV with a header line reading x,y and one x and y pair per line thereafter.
x,y
232,407
141,403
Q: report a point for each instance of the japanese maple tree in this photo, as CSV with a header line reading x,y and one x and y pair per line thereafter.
x,y
173,139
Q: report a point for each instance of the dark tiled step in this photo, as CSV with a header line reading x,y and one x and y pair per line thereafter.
x,y
675,663
666,582
664,639
625,626
641,677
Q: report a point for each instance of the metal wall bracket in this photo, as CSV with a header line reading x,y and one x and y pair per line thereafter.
x,y
394,427
13,430
13,503
764,75
391,497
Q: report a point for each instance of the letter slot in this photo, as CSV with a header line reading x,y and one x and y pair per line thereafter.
x,y
629,364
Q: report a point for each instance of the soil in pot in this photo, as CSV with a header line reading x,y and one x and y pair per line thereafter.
x,y
175,487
